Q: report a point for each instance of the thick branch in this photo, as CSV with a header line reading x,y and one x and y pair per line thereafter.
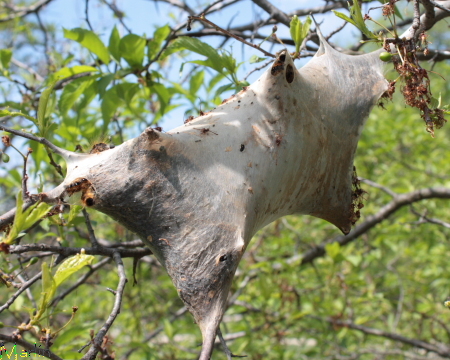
x,y
398,202
427,21
440,349
273,11
68,251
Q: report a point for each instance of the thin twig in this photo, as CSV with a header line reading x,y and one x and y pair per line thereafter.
x,y
86,13
68,251
267,63
378,186
25,193
25,286
226,350
273,11
91,233
119,14
57,150
31,348
46,46
199,18
98,340
19,12
21,65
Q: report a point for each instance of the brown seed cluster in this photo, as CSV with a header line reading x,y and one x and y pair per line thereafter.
x,y
416,87
6,140
389,8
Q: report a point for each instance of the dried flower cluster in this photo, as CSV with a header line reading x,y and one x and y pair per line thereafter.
x,y
416,88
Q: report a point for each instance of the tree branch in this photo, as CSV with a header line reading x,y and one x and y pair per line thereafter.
x,y
68,251
24,286
398,202
23,11
414,31
273,11
31,348
98,340
57,150
440,349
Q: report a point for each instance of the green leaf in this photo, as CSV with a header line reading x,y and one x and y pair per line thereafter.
x,y
74,211
229,62
103,83
299,31
110,103
24,220
163,95
72,93
43,119
5,58
214,60
434,103
48,291
356,19
70,71
35,213
90,41
6,112
256,59
48,281
132,49
334,251
223,88
168,329
114,41
70,266
195,82
118,95
154,45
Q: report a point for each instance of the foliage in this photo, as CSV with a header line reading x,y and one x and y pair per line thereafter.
x,y
394,277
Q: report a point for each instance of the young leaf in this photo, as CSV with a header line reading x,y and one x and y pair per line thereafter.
x,y
43,120
6,112
114,42
34,214
90,41
5,58
132,49
48,291
70,266
154,45
195,82
299,31
256,59
24,220
70,71
214,60
72,93
356,19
